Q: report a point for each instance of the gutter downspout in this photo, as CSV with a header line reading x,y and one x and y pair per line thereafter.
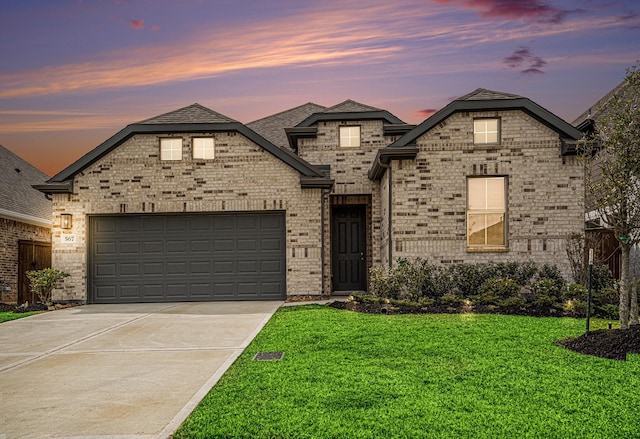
x,y
390,207
323,194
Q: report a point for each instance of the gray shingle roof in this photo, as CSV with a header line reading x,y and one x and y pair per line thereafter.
x,y
194,113
272,127
482,94
350,106
16,193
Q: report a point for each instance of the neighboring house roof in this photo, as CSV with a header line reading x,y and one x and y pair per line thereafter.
x,y
586,121
272,127
345,111
18,200
191,119
478,100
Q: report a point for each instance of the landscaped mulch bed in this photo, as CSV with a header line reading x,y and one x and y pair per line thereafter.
x,y
613,344
6,307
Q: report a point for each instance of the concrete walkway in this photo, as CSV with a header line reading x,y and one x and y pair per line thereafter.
x,y
118,371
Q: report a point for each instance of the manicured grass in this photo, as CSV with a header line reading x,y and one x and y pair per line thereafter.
x,y
348,375
5,316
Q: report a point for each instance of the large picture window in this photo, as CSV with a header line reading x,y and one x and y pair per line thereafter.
x,y
486,212
486,131
171,149
350,136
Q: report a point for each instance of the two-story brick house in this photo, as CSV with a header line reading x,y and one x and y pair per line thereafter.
x,y
192,205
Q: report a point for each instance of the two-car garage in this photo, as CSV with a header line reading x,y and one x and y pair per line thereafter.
x,y
186,257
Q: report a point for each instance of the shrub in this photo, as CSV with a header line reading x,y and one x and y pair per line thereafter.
x,y
552,273
575,307
546,292
42,282
497,289
574,291
380,282
608,311
450,299
468,278
513,302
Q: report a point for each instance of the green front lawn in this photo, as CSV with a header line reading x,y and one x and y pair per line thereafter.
x,y
5,316
349,375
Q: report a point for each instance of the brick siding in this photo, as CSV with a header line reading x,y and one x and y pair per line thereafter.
x,y
242,177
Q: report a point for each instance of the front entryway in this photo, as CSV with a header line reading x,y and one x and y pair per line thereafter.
x,y
348,244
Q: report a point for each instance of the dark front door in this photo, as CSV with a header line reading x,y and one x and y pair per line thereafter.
x,y
349,248
32,255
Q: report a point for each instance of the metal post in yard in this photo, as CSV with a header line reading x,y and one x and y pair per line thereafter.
x,y
589,289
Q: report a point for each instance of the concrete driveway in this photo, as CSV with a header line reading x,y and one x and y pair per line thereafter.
x,y
131,371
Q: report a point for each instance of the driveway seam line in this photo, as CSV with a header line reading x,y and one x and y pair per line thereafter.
x,y
79,340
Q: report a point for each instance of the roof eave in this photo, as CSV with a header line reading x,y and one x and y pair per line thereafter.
x,y
63,187
295,133
386,155
24,218
351,116
316,182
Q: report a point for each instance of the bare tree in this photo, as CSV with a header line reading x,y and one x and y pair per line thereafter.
x,y
612,163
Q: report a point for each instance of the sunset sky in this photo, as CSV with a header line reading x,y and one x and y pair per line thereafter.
x,y
72,73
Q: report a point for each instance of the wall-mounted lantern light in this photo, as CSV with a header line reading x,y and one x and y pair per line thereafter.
x,y
66,221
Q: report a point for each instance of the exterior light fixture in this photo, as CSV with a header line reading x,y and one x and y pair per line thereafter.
x,y
66,221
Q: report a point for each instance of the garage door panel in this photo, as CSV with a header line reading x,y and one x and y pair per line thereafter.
x,y
223,245
223,267
106,292
176,257
200,246
128,269
200,268
129,291
176,269
129,247
105,248
106,270
152,268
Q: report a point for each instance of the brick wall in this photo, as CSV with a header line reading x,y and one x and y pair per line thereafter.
x,y
10,233
349,169
545,192
242,177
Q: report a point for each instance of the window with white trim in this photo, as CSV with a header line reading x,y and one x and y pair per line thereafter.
x,y
350,136
203,148
486,212
486,131
171,149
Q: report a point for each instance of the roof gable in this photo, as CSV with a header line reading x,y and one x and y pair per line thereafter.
x,y
18,199
200,120
194,113
487,100
478,100
273,127
482,94
350,106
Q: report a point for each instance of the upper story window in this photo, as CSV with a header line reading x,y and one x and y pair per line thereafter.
x,y
350,136
486,212
171,149
486,131
203,148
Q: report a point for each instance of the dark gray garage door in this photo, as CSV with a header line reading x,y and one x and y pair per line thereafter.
x,y
184,257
